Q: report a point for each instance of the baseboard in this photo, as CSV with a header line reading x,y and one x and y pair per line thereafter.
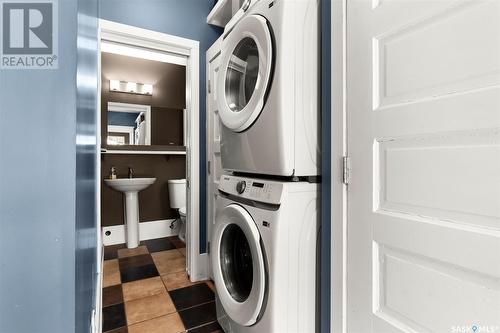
x,y
147,230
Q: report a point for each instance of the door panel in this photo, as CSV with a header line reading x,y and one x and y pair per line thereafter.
x,y
423,106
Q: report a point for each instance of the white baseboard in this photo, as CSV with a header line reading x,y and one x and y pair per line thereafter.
x,y
147,230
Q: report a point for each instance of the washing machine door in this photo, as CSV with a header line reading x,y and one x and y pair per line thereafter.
x,y
246,64
238,265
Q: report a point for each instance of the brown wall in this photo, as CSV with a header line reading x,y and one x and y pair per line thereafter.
x,y
168,126
167,104
168,100
154,202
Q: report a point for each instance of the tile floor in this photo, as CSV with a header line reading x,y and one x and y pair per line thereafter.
x,y
146,290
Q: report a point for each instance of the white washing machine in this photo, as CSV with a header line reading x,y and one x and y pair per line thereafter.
x,y
263,253
268,90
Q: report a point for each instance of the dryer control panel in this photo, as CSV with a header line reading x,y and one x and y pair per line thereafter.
x,y
252,189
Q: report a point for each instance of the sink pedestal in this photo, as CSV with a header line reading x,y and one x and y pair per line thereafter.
x,y
131,217
130,187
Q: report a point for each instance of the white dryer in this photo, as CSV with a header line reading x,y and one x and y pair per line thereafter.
x,y
263,253
268,90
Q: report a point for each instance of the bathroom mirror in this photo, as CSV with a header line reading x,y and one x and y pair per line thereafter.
x,y
128,124
144,125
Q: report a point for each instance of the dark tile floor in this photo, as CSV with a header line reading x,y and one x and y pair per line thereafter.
x,y
146,290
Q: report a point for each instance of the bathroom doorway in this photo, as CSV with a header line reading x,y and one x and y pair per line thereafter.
x,y
167,144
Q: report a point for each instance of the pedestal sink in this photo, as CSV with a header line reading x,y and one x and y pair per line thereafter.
x,y
130,188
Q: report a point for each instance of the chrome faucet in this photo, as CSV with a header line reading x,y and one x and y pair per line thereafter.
x,y
112,173
130,172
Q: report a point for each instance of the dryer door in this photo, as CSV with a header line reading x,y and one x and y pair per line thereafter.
x,y
238,265
246,63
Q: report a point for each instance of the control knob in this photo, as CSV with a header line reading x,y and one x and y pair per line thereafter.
x,y
241,186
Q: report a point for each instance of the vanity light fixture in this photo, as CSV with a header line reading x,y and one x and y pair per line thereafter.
x,y
131,87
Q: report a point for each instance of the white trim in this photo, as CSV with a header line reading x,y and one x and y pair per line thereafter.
x,y
143,152
97,312
185,128
338,259
136,52
147,230
197,264
134,108
97,184
128,107
211,54
123,129
129,35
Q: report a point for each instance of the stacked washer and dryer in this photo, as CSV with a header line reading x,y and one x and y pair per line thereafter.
x,y
264,244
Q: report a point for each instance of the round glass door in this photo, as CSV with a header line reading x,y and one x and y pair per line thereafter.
x,y
245,73
242,74
238,265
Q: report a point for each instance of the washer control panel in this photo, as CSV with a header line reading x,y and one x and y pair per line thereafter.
x,y
253,189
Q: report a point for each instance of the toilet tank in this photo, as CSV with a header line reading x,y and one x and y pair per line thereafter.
x,y
177,193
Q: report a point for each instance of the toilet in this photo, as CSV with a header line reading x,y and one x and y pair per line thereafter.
x,y
177,196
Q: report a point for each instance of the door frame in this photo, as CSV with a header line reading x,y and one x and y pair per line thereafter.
x,y
128,130
197,264
213,52
338,200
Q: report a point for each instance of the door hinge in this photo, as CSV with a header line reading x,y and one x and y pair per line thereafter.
x,y
188,184
346,166
209,87
208,167
208,247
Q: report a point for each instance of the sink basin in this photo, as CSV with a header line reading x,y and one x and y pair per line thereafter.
x,y
129,184
130,188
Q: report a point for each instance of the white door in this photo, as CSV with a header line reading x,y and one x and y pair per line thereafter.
x,y
214,166
423,108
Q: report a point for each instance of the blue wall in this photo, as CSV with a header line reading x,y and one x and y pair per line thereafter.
x,y
37,191
184,18
122,118
39,197
86,164
326,107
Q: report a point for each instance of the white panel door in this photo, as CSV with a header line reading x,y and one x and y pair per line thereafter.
x,y
214,166
423,108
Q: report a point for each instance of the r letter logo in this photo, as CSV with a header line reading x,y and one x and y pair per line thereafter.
x,y
29,35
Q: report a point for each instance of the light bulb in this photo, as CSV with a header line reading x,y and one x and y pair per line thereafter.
x,y
147,89
132,87
114,85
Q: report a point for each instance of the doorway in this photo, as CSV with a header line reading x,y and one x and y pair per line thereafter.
x,y
155,46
